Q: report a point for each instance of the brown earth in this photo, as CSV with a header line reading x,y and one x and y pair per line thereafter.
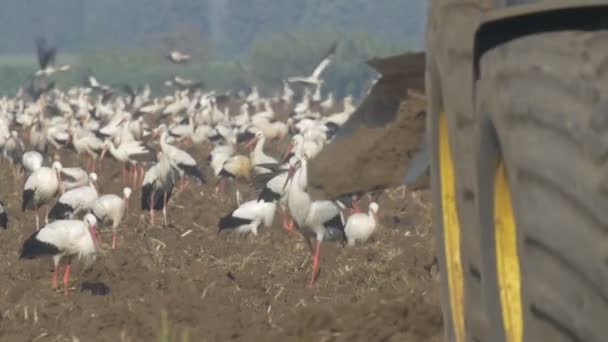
x,y
165,286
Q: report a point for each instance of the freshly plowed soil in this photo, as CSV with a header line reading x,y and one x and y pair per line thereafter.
x,y
186,282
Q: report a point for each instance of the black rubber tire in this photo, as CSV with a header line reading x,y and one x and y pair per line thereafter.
x,y
474,315
542,104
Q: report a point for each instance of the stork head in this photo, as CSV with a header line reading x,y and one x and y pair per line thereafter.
x,y
91,222
127,192
258,135
57,166
373,210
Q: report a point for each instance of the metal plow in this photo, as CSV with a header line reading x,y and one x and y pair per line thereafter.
x,y
382,145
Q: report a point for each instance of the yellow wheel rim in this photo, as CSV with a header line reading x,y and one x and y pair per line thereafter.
x,y
451,230
507,258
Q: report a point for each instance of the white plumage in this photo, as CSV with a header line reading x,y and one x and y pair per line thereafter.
x,y
258,157
315,78
76,202
73,177
40,188
249,216
157,186
359,226
110,210
31,161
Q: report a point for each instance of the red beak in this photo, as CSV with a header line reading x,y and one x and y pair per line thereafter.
x,y
251,143
287,151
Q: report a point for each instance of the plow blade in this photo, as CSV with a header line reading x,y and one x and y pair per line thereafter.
x,y
382,145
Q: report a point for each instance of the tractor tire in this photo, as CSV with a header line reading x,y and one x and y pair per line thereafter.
x,y
456,241
542,185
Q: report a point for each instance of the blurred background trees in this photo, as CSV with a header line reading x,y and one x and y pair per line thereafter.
x,y
235,43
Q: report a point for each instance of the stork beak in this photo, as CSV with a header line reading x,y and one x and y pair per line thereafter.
x,y
290,173
94,234
103,153
287,151
251,143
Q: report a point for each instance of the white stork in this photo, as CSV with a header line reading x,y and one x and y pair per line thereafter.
x,y
249,216
257,156
64,238
320,219
110,210
184,161
359,226
157,186
76,202
177,57
315,78
40,188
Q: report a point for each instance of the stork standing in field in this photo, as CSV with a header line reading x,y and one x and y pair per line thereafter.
x,y
315,78
110,210
359,226
76,202
318,219
249,216
13,151
126,153
40,188
184,161
157,186
257,156
64,238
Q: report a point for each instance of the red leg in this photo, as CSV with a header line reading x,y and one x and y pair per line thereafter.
x,y
114,239
66,278
315,264
134,176
55,273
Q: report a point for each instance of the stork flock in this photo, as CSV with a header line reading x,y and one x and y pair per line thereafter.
x,y
149,137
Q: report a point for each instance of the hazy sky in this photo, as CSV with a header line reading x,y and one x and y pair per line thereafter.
x,y
233,24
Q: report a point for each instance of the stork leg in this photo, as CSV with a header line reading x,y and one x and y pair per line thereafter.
x,y
114,239
165,208
135,173
66,278
46,214
315,264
